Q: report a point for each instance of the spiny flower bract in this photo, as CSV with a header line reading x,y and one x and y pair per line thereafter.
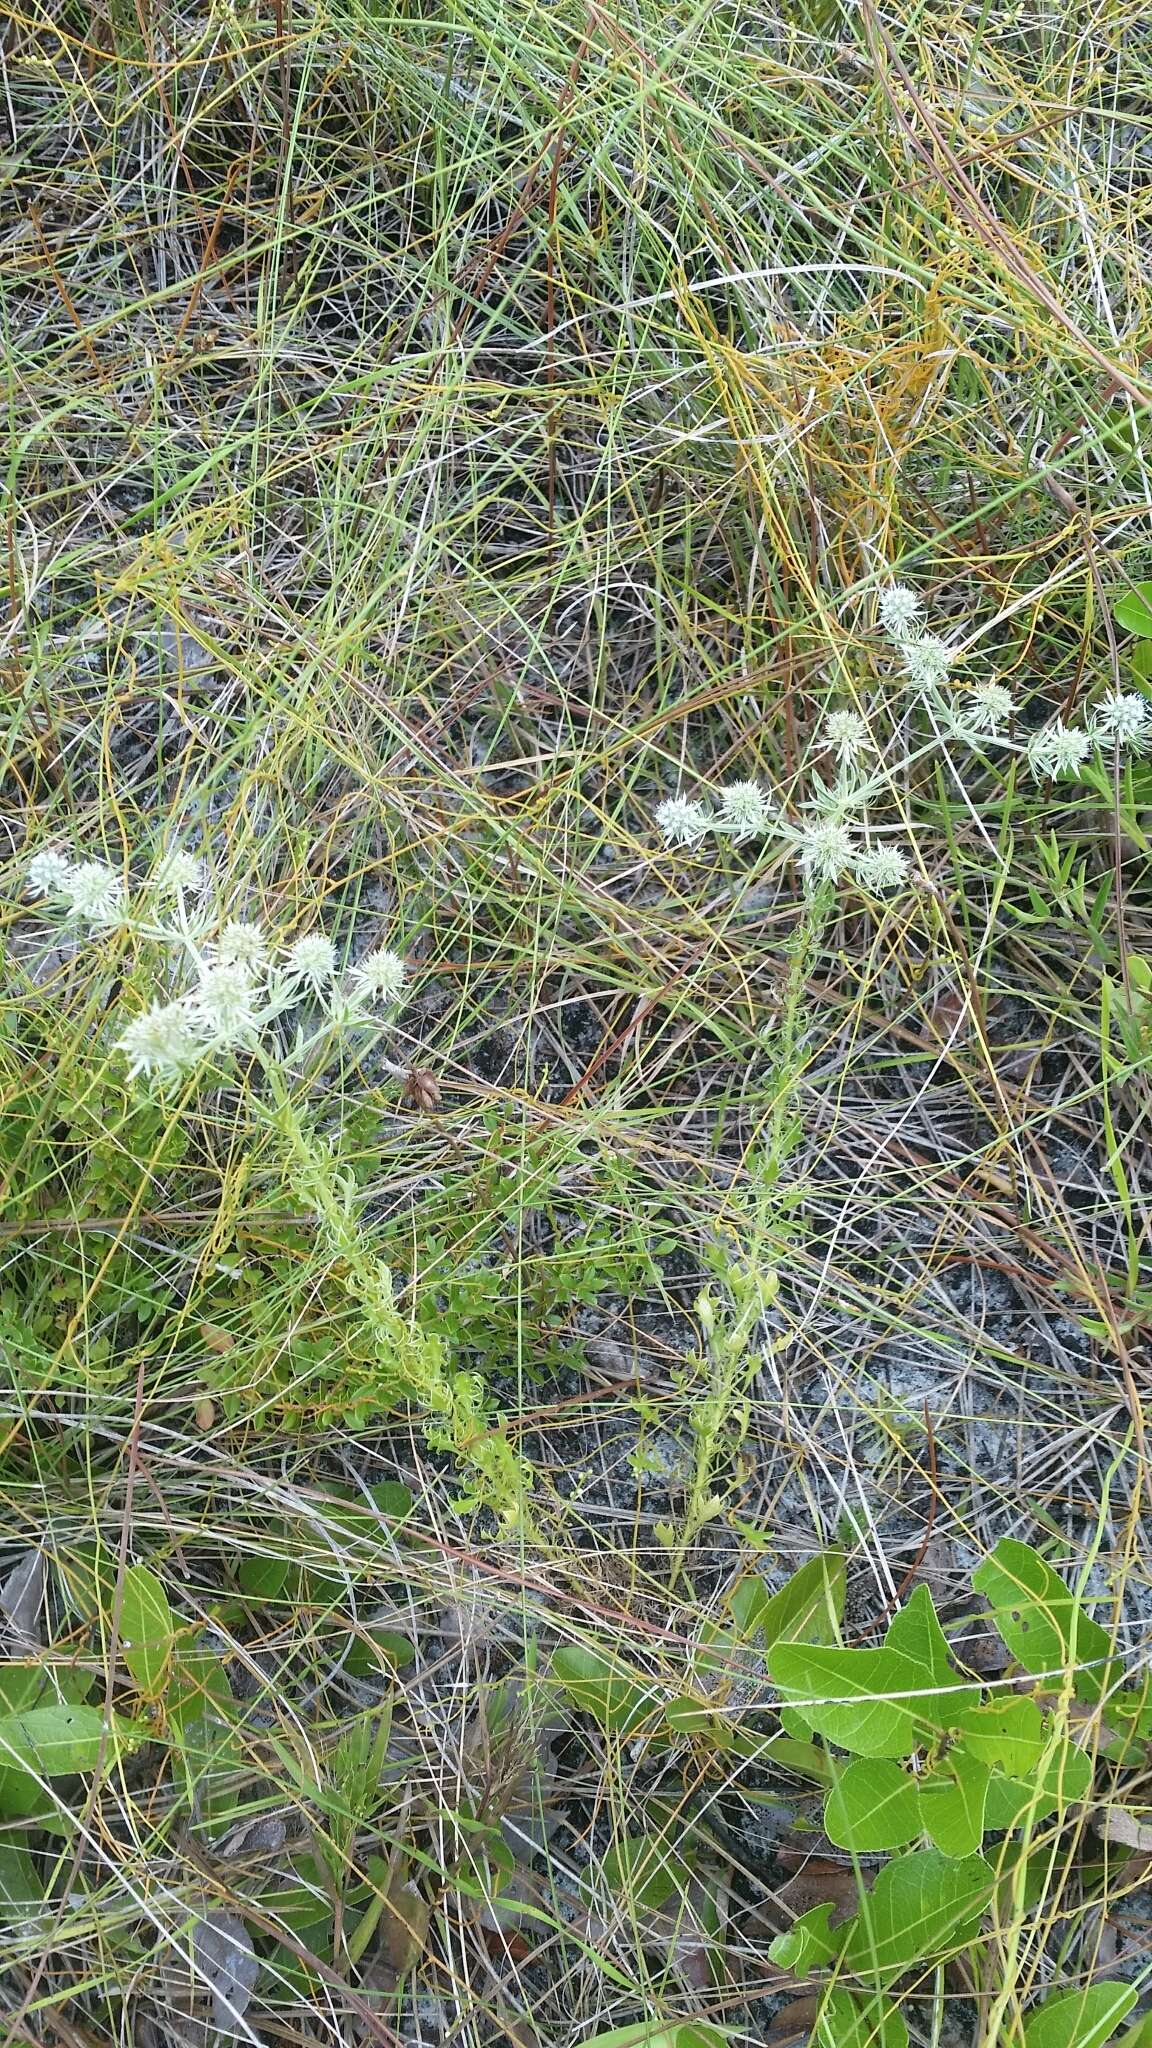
x,y
379,977
682,822
897,608
94,893
926,661
846,733
1058,750
177,870
880,867
48,872
1123,716
224,1003
312,958
827,850
986,708
745,812
163,1044
241,945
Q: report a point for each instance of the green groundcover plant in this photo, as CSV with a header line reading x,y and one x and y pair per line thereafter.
x,y
963,1787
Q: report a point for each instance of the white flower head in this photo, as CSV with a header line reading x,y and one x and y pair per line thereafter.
x,y
847,735
177,870
94,893
682,822
312,958
827,851
926,661
745,812
380,977
1124,717
1057,750
223,1003
881,867
48,873
987,708
897,609
165,1042
241,945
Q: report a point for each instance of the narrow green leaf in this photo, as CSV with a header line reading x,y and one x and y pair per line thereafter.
x,y
146,1630
847,2021
923,1905
1041,1622
872,1805
1079,2019
952,1804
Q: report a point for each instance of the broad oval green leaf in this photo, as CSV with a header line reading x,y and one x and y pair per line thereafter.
x,y
863,1700
645,1871
21,1891
1042,1623
146,1630
952,1804
811,1943
916,1633
1079,2019
661,2034
1064,1781
1009,1731
55,1741
199,1689
19,1685
1133,611
923,1905
873,1805
615,1698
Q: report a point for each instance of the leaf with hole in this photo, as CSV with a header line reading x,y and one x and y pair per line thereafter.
x,y
922,1904
55,1741
872,1805
1042,1623
1008,1732
855,1698
1079,2019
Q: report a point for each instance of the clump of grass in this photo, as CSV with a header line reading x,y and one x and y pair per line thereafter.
x,y
436,445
